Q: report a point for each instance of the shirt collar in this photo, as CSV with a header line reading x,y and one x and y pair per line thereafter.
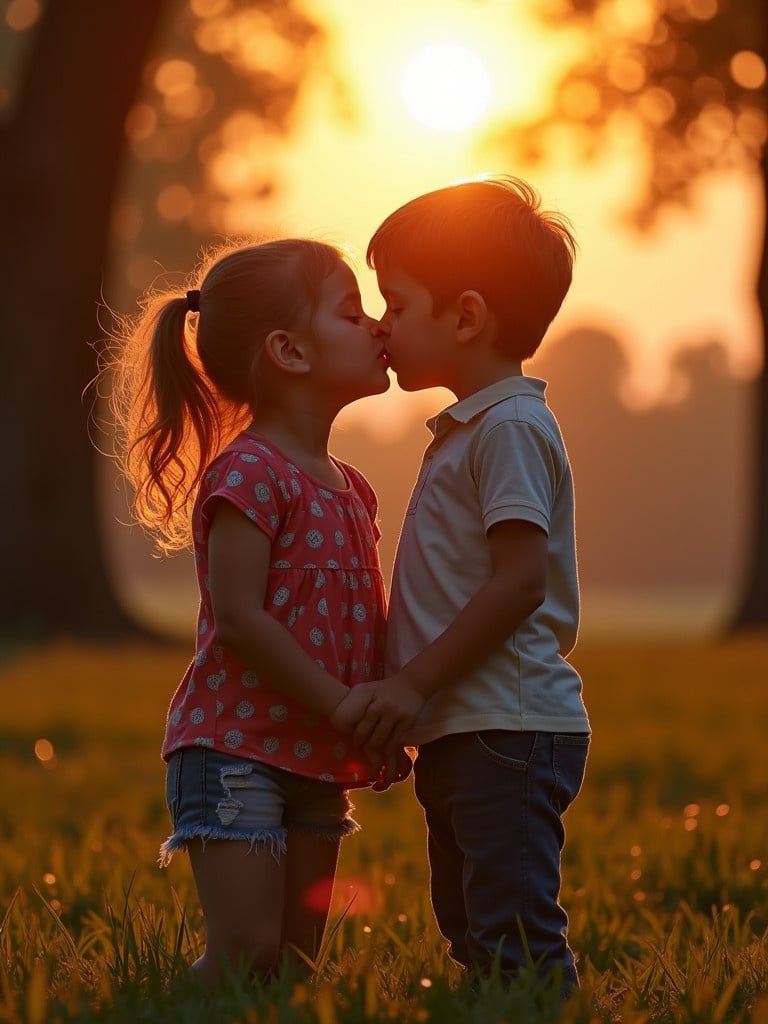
x,y
468,408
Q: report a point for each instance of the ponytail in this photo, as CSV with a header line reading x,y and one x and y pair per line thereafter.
x,y
170,417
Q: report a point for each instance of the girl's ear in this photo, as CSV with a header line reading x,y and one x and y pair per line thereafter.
x,y
472,316
286,352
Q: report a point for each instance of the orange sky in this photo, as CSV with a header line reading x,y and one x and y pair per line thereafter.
x,y
689,281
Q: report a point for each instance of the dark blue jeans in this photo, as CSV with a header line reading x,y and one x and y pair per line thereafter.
x,y
494,802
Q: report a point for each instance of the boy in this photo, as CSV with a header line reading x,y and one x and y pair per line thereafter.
x,y
484,604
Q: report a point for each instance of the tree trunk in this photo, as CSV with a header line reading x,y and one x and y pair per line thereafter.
x,y
60,160
752,612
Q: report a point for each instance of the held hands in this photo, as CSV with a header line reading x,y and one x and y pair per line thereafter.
x,y
351,709
394,706
379,716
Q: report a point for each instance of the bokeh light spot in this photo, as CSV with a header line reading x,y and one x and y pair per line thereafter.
x,y
22,14
175,76
318,896
140,123
748,69
45,753
175,202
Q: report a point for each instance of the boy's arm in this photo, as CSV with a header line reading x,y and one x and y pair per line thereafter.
x,y
514,590
238,562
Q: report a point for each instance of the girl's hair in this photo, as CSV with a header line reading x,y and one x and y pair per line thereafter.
x,y
183,385
490,235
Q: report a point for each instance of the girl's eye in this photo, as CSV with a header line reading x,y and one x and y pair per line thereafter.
x,y
355,318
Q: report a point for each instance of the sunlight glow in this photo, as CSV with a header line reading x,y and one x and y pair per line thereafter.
x,y
446,87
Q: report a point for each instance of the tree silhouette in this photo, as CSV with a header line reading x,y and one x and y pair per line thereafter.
x,y
94,72
688,78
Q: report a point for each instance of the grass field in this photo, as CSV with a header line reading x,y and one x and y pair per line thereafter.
x,y
665,873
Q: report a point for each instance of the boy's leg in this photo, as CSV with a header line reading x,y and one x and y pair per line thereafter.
x,y
446,860
240,887
504,794
310,870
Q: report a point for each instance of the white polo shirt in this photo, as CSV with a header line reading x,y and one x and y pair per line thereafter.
x,y
496,455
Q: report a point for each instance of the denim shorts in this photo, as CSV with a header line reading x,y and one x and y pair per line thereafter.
x,y
216,796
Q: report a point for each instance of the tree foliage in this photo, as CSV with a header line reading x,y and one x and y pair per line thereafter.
x,y
108,98
687,80
685,77
216,97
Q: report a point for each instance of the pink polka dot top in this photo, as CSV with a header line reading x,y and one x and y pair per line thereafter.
x,y
325,587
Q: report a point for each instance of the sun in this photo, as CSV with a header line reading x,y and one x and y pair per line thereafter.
x,y
446,87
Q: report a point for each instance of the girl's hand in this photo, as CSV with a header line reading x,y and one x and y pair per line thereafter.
x,y
395,767
393,708
352,707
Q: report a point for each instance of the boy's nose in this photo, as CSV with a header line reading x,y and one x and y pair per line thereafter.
x,y
380,328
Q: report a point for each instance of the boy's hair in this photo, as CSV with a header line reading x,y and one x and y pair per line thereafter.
x,y
490,236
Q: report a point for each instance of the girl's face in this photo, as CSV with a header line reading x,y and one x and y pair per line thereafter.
x,y
347,352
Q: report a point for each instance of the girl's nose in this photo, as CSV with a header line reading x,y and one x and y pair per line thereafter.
x,y
379,328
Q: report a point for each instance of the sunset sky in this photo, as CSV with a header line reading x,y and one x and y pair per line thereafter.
x,y
360,149
691,280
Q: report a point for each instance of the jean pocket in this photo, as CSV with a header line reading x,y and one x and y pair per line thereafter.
x,y
569,761
502,746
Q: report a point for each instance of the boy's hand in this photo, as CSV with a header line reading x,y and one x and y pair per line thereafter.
x,y
393,708
351,709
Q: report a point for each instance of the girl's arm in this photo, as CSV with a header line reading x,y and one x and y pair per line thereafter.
x,y
238,565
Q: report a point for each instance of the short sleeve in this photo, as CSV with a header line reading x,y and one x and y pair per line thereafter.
x,y
368,497
248,482
515,469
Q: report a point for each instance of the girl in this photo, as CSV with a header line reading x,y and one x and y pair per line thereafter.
x,y
226,396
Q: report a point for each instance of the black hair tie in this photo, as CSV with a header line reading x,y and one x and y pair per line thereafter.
x,y
193,300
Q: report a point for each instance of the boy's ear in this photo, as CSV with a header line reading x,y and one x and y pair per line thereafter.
x,y
472,315
286,352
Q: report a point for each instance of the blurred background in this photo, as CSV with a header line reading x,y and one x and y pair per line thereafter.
x,y
133,135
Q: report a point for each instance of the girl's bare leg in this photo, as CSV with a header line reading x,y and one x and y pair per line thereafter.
x,y
310,869
241,892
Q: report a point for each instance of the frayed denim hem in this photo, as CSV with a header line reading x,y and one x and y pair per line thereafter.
x,y
333,833
274,840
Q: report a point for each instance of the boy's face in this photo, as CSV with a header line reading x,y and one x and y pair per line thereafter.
x,y
417,341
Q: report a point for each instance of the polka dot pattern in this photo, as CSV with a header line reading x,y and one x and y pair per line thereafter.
x,y
324,586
